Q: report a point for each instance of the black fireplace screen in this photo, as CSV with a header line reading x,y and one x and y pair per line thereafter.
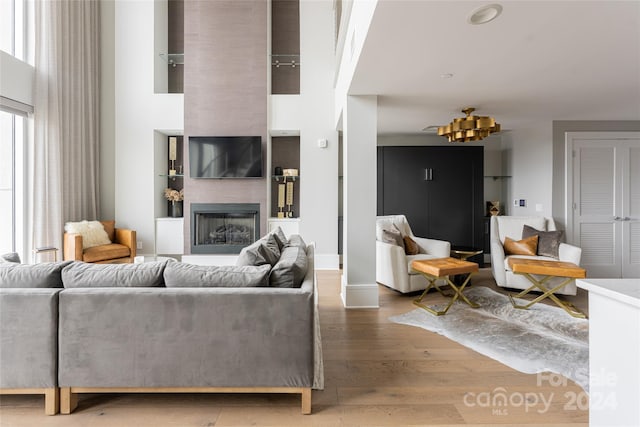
x,y
224,228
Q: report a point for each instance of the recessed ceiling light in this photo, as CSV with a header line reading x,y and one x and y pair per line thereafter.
x,y
485,14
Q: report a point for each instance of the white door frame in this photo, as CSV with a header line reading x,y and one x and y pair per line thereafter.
x,y
568,178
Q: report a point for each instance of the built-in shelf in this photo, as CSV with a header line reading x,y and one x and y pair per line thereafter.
x,y
279,178
173,177
173,59
494,177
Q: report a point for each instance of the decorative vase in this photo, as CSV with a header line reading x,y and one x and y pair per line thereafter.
x,y
175,209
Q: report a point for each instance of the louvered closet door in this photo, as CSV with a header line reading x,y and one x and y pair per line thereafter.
x,y
631,218
606,221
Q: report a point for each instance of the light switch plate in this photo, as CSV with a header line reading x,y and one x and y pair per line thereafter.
x,y
322,143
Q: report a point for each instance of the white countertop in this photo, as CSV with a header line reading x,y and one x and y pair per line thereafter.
x,y
622,290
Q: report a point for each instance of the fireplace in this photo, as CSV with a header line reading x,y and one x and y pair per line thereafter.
x,y
223,228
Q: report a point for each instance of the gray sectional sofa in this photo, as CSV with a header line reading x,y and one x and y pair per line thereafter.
x,y
163,327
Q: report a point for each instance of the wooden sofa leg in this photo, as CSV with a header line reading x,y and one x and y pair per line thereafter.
x,y
306,401
68,400
51,401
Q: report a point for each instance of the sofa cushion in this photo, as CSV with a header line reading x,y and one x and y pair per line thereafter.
x,y
10,257
92,233
182,275
85,275
410,246
291,268
526,246
548,241
263,251
297,241
511,226
45,275
110,229
280,237
392,236
106,252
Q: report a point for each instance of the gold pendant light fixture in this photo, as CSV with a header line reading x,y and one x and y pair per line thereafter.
x,y
470,128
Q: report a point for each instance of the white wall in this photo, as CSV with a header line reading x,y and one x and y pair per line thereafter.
x,y
139,112
318,166
528,159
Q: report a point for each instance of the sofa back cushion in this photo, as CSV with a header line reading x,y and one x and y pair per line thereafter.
x,y
291,268
45,275
264,251
85,275
10,257
179,274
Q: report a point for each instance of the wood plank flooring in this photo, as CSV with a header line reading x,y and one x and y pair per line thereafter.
x,y
377,373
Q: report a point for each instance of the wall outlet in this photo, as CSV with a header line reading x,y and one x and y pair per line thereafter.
x,y
139,245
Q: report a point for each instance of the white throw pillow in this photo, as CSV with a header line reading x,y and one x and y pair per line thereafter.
x,y
92,232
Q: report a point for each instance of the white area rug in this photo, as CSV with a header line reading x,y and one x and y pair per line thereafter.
x,y
541,339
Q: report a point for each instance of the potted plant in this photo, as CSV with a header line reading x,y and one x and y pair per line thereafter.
x,y
175,199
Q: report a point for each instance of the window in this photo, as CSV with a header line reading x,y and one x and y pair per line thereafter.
x,y
12,135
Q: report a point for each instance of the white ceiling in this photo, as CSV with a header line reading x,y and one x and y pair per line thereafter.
x,y
538,61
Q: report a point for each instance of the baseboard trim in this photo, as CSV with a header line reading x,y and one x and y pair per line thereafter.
x,y
360,295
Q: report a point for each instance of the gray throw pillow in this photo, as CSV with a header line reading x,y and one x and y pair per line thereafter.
x,y
296,240
10,257
280,237
392,236
86,275
548,241
181,275
264,251
291,269
45,275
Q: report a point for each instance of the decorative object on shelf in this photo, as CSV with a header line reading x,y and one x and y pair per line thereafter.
x,y
175,199
493,208
289,212
281,191
469,128
277,171
290,172
172,154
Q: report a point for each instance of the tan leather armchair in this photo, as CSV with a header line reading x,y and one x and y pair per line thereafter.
x,y
122,248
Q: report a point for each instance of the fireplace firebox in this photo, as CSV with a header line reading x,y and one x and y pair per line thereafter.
x,y
223,228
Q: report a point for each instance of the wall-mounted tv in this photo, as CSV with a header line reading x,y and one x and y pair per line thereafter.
x,y
225,157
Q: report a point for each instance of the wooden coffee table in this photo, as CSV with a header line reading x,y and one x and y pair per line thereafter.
x,y
549,270
442,268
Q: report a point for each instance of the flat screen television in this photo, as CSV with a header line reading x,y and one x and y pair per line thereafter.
x,y
225,156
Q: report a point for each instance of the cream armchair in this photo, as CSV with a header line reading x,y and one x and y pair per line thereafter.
x,y
511,226
393,266
120,249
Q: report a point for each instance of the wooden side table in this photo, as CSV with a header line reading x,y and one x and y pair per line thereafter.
x,y
549,270
442,268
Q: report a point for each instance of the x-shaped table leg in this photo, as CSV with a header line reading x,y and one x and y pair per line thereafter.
x,y
546,293
457,294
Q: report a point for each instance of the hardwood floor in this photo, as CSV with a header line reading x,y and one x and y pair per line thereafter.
x,y
377,373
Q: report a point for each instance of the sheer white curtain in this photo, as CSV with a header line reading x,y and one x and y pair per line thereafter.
x,y
66,116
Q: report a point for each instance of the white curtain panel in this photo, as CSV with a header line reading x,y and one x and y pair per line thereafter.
x,y
66,117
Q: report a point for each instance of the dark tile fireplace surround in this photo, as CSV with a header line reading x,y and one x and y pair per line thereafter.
x,y
223,228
